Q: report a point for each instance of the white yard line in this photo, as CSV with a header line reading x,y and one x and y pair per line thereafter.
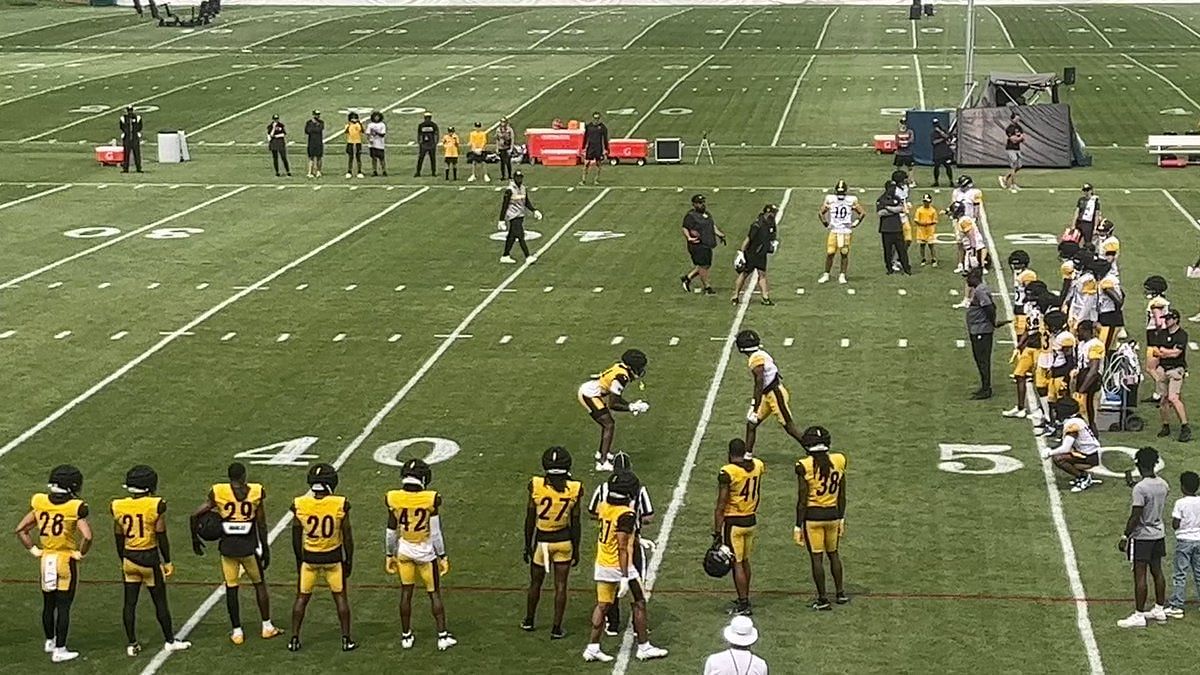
x,y
476,27
738,26
297,90
653,25
64,64
408,97
1028,65
36,195
115,240
679,495
1083,621
76,83
538,43
249,19
667,93
339,17
190,325
1162,77
917,68
547,89
1003,28
106,33
90,17
382,31
825,29
447,342
1179,207
787,110
1091,25
1173,18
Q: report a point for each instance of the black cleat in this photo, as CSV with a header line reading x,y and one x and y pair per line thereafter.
x,y
1185,434
822,605
527,624
294,644
557,633
348,645
842,599
1165,431
687,283
768,302
710,291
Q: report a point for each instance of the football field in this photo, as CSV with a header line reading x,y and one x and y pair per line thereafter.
x,y
209,311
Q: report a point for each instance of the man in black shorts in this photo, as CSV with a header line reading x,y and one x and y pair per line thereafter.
x,y
701,234
595,147
760,242
943,154
904,150
314,130
1087,214
1144,540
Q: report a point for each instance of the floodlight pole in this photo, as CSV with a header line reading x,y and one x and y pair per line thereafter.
x,y
969,82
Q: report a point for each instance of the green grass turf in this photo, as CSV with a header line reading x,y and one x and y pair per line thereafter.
x,y
951,572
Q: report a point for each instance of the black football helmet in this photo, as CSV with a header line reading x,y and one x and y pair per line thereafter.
x,y
1066,407
964,181
141,479
718,561
747,341
1018,260
1155,285
841,188
323,477
957,210
623,487
1105,227
636,360
816,439
899,177
1067,250
556,461
1055,320
66,479
208,526
416,470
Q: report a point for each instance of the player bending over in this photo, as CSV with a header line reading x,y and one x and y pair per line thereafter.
x,y
603,394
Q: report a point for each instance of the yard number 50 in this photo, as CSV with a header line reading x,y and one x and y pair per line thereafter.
x,y
981,460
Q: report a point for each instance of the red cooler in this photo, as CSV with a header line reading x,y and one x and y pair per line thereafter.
x,y
628,150
558,140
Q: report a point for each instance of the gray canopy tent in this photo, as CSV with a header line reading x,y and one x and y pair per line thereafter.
x,y
1050,138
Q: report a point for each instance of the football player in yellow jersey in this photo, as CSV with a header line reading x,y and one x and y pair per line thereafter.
x,y
241,507
770,396
59,516
821,511
739,486
1109,247
552,534
416,549
604,393
1110,304
926,217
140,532
1024,313
323,544
1089,361
615,573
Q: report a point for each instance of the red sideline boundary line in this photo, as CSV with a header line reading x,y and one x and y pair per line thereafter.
x,y
682,592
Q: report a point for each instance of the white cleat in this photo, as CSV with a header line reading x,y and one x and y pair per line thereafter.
x,y
895,265
841,278
1174,612
1016,413
133,650
176,645
508,260
958,269
445,641
318,174
311,176
1158,613
605,467
1086,483
1135,620
648,651
823,279
48,647
1195,318
1193,272
349,175
360,175
1002,183
595,654
407,640
487,178
531,259
471,179
62,655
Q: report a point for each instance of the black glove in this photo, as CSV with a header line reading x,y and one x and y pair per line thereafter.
x,y
722,238
197,546
265,559
346,568
574,558
527,555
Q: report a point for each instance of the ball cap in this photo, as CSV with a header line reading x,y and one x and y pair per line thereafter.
x,y
1087,187
316,113
697,199
741,632
428,114
927,198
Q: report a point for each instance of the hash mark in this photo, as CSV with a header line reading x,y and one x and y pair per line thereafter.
x,y
202,286
400,288
598,289
788,342
394,338
152,285
901,291
118,335
547,289
902,343
799,291
448,288
104,285
849,291
301,287
648,289
283,337
60,336
1193,346
673,341
505,339
351,287
960,343
617,340
7,334
339,337
845,342
562,339
56,284
227,337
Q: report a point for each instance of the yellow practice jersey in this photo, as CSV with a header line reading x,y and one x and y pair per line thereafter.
x,y
321,519
354,133
613,380
925,216
771,376
477,140
823,491
1089,352
745,485
553,507
56,521
450,145
413,510
136,519
234,510
613,519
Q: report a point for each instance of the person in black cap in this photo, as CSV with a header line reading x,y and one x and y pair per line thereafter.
x,y
1087,214
277,143
760,241
943,156
890,209
701,234
314,130
427,142
131,139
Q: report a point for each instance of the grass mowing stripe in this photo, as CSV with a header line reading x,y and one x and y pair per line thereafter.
x,y
36,195
825,29
101,34
547,89
297,90
1003,28
538,43
448,341
115,240
476,27
383,31
205,316
787,110
1091,25
1179,207
1082,619
1171,17
338,17
654,23
248,19
689,73
103,77
91,16
738,26
689,463
1162,77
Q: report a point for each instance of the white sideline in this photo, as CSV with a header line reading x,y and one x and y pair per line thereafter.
x,y
37,195
1091,25
115,240
1173,18
1083,621
825,29
447,342
1003,28
476,27
85,80
653,24
190,325
547,89
1162,77
678,496
738,26
787,110
917,68
667,93
538,43
1179,207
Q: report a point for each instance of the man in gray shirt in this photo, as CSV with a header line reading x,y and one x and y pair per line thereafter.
x,y
981,325
1144,540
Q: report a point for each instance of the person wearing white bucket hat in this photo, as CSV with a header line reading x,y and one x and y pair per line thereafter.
x,y
737,659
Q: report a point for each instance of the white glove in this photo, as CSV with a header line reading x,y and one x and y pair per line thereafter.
x,y
726,550
774,245
623,589
739,259
752,416
1046,453
638,407
537,215
35,552
648,544
501,226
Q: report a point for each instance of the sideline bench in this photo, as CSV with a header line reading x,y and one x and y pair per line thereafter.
x,y
1175,150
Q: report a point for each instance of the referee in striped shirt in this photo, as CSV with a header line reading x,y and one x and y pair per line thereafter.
x,y
644,512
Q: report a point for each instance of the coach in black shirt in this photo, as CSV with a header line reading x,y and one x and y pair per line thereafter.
x,y
889,206
131,139
1172,368
427,142
595,147
1014,136
701,234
